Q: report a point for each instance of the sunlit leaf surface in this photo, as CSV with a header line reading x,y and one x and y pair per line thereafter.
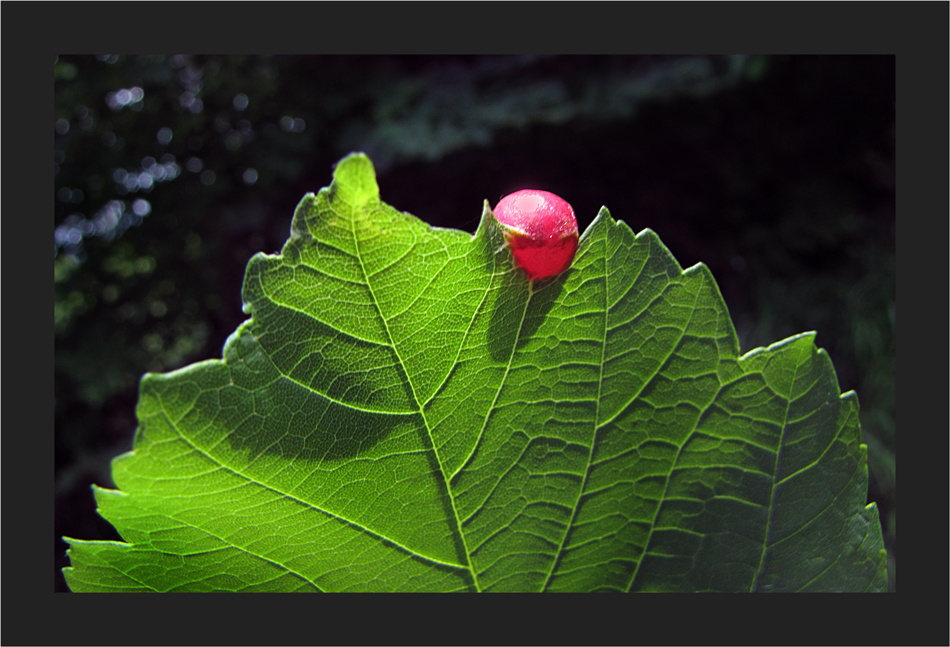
x,y
404,411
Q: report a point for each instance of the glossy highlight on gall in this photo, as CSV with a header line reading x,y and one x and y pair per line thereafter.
x,y
541,230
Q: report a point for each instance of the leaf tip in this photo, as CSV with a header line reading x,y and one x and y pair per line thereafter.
x,y
354,179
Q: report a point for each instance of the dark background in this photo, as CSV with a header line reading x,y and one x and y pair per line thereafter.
x,y
172,171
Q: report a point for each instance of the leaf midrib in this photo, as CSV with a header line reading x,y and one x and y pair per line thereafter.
x,y
422,413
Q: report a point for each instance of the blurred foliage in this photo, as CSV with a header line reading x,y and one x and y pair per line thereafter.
x,y
172,171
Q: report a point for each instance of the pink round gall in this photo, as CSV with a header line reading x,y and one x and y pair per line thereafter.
x,y
541,230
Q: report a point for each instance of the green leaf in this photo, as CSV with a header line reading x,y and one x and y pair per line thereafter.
x,y
404,411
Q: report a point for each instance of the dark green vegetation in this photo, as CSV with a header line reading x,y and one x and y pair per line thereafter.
x,y
782,182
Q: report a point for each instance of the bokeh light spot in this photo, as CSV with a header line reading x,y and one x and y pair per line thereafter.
x,y
141,207
131,97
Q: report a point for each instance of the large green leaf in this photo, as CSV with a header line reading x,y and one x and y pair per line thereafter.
x,y
405,411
